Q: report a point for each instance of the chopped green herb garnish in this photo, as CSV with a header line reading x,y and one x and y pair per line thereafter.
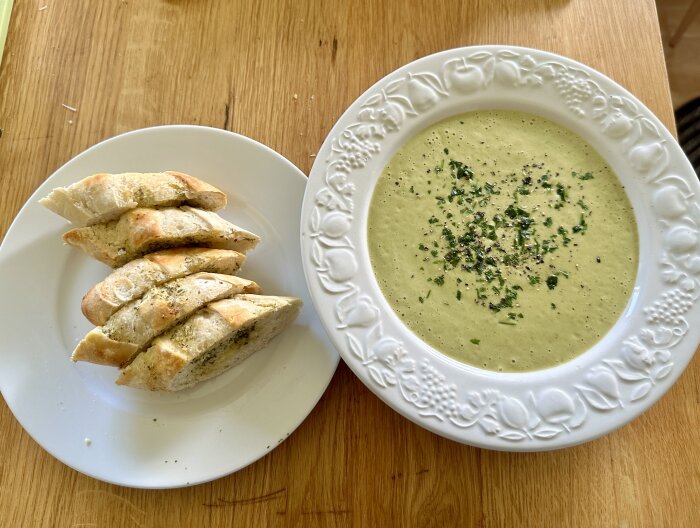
x,y
456,191
564,235
581,227
452,257
563,195
460,170
506,301
449,237
508,246
475,341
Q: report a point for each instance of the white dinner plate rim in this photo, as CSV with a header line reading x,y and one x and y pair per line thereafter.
x,y
48,444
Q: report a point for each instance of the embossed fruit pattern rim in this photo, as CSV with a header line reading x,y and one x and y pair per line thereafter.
x,y
538,411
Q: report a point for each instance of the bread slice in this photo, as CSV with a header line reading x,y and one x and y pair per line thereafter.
x,y
162,307
210,342
132,280
142,231
103,197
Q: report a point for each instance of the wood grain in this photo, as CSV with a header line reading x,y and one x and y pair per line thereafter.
x,y
239,65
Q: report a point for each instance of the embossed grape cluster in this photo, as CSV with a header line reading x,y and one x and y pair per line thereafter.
x,y
357,152
435,392
574,90
672,306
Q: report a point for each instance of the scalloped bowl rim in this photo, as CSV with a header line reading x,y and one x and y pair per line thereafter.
x,y
510,402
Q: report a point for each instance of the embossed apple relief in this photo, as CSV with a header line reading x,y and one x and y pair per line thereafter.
x,y
669,202
335,225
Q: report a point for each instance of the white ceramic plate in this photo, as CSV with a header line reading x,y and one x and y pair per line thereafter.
x,y
137,438
617,379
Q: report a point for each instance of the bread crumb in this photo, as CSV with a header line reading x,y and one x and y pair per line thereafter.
x,y
87,441
70,121
295,97
71,108
43,7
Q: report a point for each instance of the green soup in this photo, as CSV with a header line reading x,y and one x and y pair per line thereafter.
x,y
503,240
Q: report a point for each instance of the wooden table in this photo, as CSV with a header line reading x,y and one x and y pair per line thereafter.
x,y
282,73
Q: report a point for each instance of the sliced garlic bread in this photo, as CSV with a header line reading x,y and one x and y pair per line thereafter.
x,y
142,231
133,326
103,197
210,342
132,280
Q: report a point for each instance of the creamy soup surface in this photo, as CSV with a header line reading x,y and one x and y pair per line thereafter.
x,y
503,240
